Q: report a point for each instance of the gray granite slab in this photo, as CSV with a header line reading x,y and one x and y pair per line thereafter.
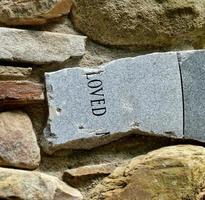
x,y
89,107
192,64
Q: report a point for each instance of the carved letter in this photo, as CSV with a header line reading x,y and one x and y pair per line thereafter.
x,y
98,101
96,92
98,111
94,83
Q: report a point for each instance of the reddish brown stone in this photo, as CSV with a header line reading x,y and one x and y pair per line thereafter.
x,y
29,12
21,92
18,142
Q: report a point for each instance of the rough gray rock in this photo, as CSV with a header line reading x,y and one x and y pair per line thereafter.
x,y
18,143
150,24
90,107
39,46
19,184
192,65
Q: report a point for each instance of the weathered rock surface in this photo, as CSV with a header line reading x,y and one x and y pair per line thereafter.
x,y
39,46
170,173
14,72
150,24
21,92
24,185
18,143
192,64
141,94
29,12
82,174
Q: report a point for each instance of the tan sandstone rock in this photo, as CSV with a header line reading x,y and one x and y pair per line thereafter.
x,y
7,72
170,173
82,174
24,185
18,143
29,12
148,24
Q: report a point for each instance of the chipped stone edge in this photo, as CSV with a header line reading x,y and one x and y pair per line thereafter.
x,y
95,141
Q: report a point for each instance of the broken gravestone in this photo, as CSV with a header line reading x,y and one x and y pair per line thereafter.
x,y
160,93
93,106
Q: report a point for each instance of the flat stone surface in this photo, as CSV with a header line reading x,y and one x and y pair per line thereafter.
x,y
18,143
14,72
25,185
142,93
83,174
21,92
39,46
193,77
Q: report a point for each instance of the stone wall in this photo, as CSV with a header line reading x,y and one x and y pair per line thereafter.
x,y
46,36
